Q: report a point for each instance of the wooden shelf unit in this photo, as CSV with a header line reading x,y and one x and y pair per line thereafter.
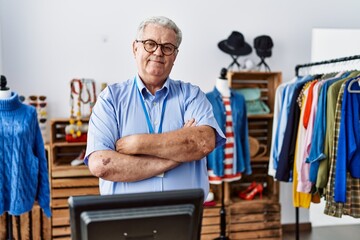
x,y
66,180
257,218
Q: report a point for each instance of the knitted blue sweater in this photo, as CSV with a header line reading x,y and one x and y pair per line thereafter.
x,y
23,164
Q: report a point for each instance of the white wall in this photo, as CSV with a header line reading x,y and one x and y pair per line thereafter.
x,y
47,43
331,43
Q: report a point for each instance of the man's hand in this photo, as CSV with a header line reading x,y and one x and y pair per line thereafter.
x,y
190,123
129,144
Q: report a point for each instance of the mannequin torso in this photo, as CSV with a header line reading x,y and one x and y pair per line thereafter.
x,y
222,86
5,92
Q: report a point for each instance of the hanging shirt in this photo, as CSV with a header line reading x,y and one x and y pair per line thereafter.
x,y
23,164
278,108
119,112
318,139
240,126
286,153
310,120
332,94
281,125
348,157
352,206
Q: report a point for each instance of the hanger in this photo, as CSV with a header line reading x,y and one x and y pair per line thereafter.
x,y
357,79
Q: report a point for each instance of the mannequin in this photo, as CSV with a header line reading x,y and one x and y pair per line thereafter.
x,y
228,163
23,164
222,84
229,175
5,92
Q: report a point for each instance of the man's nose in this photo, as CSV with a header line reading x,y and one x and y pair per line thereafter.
x,y
158,51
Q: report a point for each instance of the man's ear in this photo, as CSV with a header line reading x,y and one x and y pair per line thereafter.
x,y
134,47
177,52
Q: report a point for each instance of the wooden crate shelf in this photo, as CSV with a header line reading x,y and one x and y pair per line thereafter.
x,y
211,222
255,220
260,126
31,225
66,180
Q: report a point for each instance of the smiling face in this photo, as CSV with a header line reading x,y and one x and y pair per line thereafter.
x,y
154,67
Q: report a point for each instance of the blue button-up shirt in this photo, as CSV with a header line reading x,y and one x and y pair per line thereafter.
x,y
118,112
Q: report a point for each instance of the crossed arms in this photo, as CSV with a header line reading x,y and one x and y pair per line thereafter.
x,y
142,156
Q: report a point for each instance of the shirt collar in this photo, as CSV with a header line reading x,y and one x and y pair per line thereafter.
x,y
145,92
10,104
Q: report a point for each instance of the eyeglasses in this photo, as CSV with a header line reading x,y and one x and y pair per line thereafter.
x,y
150,46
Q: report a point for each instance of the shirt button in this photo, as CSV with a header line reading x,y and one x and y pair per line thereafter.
x,y
154,103
332,211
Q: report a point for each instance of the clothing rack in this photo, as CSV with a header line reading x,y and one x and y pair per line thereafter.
x,y
336,60
307,65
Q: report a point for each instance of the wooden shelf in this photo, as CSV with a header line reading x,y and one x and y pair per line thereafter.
x,y
66,180
70,171
261,116
69,144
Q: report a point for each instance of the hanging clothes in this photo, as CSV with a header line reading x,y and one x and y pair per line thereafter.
x,y
303,136
308,123
332,95
351,206
316,154
23,165
301,198
241,154
332,147
281,96
348,159
286,152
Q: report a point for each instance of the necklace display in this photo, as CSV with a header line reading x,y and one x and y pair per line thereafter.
x,y
91,92
82,95
75,89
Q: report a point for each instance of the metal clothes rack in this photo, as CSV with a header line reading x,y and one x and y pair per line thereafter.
x,y
307,65
336,60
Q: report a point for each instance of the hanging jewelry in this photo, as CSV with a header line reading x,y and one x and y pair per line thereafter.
x,y
91,92
75,129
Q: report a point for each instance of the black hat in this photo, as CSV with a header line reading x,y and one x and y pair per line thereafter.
x,y
263,45
235,45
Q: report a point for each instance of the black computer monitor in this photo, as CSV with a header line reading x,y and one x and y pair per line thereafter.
x,y
152,215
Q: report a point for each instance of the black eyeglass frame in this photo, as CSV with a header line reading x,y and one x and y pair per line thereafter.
x,y
162,46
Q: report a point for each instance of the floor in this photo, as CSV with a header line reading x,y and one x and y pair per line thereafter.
x,y
327,233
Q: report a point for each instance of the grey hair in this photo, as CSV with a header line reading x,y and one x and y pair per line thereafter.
x,y
162,21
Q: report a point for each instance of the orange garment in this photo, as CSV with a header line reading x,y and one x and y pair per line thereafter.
x,y
308,104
